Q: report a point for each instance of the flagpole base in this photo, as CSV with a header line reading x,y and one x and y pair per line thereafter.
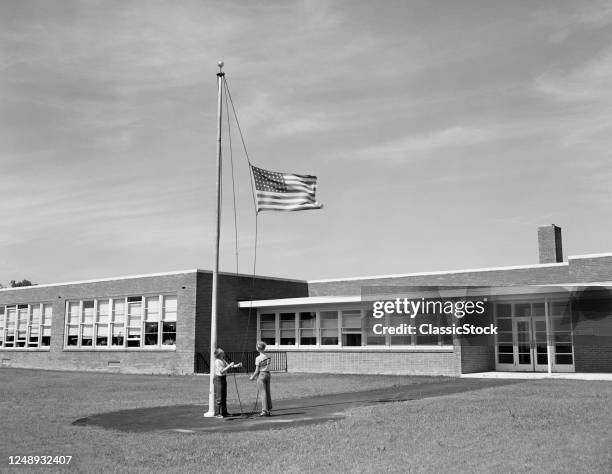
x,y
209,414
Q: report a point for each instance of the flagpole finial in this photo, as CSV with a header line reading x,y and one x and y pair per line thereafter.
x,y
220,64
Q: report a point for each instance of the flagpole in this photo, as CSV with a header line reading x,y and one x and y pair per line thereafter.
x,y
215,275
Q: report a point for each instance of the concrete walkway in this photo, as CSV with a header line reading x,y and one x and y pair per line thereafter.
x,y
537,376
301,411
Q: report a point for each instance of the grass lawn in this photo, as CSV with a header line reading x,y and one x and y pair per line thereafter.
x,y
538,426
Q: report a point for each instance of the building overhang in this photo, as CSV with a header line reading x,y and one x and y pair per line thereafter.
x,y
492,293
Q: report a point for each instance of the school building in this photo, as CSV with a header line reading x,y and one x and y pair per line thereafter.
x,y
555,315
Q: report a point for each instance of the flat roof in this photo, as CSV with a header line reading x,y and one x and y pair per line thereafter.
x,y
442,272
468,270
371,277
147,275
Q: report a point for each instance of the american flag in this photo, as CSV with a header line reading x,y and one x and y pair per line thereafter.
x,y
284,191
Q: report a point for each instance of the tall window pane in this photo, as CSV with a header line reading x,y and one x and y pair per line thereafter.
x,y
87,323
134,321
267,328
328,321
2,326
170,308
287,329
371,338
401,339
102,322
22,324
308,336
118,325
35,319
351,328
11,321
151,326
169,323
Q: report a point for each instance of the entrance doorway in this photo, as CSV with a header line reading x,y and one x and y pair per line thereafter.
x,y
526,339
531,347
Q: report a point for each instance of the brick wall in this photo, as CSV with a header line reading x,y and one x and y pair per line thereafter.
x,y
179,361
374,362
478,358
236,328
588,269
545,274
592,328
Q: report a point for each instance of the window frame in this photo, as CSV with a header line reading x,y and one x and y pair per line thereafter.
x,y
120,306
387,347
42,327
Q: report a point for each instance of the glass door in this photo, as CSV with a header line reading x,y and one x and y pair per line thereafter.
x,y
562,336
523,347
539,344
521,343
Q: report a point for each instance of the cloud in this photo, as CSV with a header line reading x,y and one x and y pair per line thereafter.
x,y
415,146
582,97
563,24
589,82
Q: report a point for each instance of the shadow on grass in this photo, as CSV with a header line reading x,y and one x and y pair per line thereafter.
x,y
293,412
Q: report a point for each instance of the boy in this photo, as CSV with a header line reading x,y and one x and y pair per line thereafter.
x,y
262,372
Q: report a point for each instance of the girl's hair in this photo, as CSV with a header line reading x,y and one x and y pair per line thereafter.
x,y
218,352
261,346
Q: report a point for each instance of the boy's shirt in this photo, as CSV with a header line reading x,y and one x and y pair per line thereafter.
x,y
263,362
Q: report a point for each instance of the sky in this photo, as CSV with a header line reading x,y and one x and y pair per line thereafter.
x,y
443,133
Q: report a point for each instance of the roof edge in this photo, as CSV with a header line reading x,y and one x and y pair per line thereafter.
x,y
144,275
443,272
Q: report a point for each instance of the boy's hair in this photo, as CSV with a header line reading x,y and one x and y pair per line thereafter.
x,y
261,346
218,352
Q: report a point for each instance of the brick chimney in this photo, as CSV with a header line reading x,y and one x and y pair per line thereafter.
x,y
549,243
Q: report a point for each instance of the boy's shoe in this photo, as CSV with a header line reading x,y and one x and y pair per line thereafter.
x,y
219,416
264,413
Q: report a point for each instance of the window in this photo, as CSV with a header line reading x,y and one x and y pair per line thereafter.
x,y
2,313
427,319
329,328
87,323
308,334
117,323
22,325
562,333
344,328
11,320
152,318
287,329
267,328
102,320
72,333
373,339
351,328
169,323
26,326
400,339
134,321
46,325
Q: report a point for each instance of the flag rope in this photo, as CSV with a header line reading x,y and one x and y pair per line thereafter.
x,y
246,154
229,135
